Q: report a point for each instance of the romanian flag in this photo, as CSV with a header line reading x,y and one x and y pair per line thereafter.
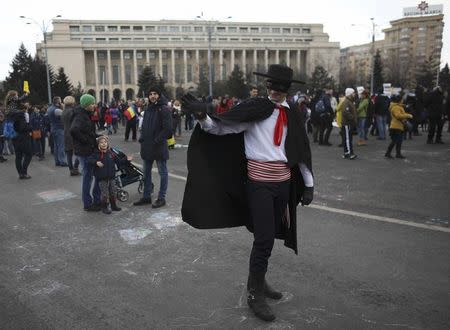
x,y
129,113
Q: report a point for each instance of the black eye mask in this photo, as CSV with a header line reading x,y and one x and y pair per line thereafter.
x,y
277,86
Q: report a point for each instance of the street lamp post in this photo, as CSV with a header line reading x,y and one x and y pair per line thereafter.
x,y
373,57
209,59
44,27
209,30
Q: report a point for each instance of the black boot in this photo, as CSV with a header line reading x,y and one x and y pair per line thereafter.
x,y
256,299
389,150
114,207
105,208
398,150
269,292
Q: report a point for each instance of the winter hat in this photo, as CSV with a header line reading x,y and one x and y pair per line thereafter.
x,y
349,91
102,137
86,100
155,89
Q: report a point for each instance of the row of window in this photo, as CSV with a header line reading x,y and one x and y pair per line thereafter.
x,y
128,73
152,55
113,40
166,28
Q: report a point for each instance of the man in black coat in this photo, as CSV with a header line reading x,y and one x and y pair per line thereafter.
x,y
156,129
84,137
436,115
251,166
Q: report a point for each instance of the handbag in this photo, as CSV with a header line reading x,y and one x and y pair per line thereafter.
x,y
408,126
36,134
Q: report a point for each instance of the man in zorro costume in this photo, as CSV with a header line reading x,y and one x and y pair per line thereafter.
x,y
251,166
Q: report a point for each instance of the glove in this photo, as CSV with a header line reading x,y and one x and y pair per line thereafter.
x,y
308,195
194,106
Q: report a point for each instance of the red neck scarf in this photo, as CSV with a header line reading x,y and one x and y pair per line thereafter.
x,y
281,122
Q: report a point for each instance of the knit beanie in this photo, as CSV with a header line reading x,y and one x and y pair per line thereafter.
x,y
349,91
155,89
86,100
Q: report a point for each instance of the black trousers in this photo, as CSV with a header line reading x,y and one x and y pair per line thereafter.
x,y
267,202
326,126
24,153
131,125
347,139
436,125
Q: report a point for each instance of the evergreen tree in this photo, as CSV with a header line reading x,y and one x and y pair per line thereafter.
x,y
377,72
162,86
444,77
320,79
62,86
220,88
203,84
38,82
236,84
426,74
77,92
146,79
21,70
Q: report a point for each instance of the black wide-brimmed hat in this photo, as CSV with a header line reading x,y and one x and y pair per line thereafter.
x,y
280,74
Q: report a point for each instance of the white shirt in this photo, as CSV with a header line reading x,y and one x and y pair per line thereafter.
x,y
258,139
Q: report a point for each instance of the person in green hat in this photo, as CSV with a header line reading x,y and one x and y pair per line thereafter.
x,y
84,138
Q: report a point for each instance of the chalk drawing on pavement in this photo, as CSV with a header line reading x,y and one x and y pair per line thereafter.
x,y
135,235
50,196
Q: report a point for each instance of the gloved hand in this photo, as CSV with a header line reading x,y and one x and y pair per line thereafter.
x,y
308,195
194,106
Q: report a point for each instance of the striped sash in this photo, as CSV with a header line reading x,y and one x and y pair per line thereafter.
x,y
268,171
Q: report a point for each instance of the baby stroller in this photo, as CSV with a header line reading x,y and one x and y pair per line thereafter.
x,y
126,174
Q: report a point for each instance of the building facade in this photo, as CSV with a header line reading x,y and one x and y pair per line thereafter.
x,y
409,44
107,57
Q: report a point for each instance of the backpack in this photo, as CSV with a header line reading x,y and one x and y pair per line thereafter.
x,y
320,107
8,130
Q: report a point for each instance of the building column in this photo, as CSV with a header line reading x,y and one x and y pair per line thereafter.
x,y
298,61
135,68
197,61
97,92
147,57
266,59
244,62
108,55
185,66
172,64
255,59
122,76
288,57
232,60
277,57
83,82
160,61
220,64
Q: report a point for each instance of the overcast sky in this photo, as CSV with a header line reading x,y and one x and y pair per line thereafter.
x,y
336,16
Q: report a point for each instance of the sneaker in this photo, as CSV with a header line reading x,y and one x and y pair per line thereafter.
x,y
352,156
24,177
159,203
439,142
388,156
2,159
143,201
400,156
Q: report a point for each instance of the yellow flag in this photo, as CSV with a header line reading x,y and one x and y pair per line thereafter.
x,y
26,89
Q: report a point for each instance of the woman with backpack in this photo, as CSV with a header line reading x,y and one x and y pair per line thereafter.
x,y
20,133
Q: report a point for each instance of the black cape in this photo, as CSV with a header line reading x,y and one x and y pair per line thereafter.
x,y
215,192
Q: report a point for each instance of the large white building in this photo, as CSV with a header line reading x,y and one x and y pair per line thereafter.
x,y
108,56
